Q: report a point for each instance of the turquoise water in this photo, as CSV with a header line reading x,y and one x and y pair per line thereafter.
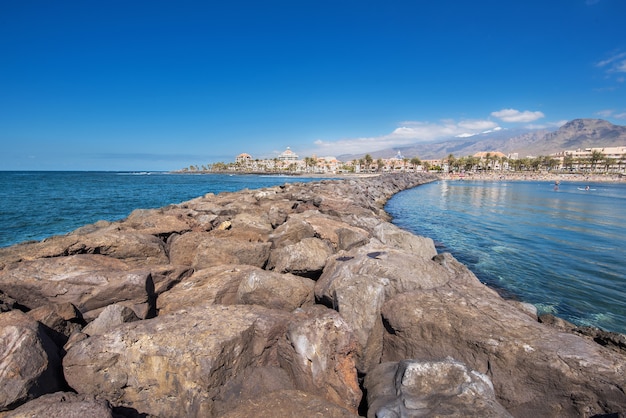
x,y
36,205
564,251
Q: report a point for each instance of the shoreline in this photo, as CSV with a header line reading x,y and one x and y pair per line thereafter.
x,y
287,293
548,177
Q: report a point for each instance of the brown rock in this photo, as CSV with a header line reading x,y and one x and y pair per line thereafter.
x,y
288,404
191,353
535,370
274,290
412,388
202,250
291,232
318,354
63,404
60,321
29,361
306,258
110,317
89,282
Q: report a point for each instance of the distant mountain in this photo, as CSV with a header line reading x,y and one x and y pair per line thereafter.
x,y
578,133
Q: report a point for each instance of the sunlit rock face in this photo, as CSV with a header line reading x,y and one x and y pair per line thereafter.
x,y
286,301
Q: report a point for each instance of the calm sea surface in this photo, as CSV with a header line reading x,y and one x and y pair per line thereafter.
x,y
36,205
564,251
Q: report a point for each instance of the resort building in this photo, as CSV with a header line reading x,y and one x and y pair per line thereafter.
x,y
288,155
611,159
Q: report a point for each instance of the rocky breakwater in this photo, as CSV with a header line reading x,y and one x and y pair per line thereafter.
x,y
298,300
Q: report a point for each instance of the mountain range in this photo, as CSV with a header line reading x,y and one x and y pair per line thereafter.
x,y
578,133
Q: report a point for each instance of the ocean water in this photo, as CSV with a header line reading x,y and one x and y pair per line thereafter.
x,y
563,251
36,205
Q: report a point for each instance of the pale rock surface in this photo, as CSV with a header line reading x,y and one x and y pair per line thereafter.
x,y
110,317
318,354
392,236
412,388
306,258
356,283
29,360
535,370
274,290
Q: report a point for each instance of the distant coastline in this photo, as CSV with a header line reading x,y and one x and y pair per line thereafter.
x,y
536,176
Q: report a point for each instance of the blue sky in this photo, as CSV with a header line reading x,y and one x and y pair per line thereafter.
x,y
160,85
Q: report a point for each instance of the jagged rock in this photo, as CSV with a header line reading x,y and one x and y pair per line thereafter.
x,y
412,388
60,321
202,250
29,360
89,282
291,232
318,354
252,384
391,235
7,303
356,284
535,370
288,404
274,290
167,221
213,285
306,258
110,317
63,404
238,284
342,235
191,353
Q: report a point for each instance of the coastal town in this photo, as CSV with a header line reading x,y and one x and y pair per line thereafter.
x,y
608,160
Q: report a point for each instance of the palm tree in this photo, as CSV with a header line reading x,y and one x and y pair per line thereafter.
x,y
416,162
596,156
451,162
380,164
368,161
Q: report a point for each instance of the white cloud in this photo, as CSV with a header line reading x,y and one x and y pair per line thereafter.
x,y
605,113
620,115
514,115
548,125
409,132
617,58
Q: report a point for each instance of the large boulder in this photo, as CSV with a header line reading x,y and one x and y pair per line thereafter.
x,y
274,290
190,354
110,317
59,321
357,283
202,250
89,282
29,360
412,388
536,370
319,355
392,236
64,404
306,258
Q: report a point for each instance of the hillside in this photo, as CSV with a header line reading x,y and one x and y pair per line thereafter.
x,y
578,133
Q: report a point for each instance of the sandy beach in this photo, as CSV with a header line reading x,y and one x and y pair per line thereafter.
x,y
536,176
